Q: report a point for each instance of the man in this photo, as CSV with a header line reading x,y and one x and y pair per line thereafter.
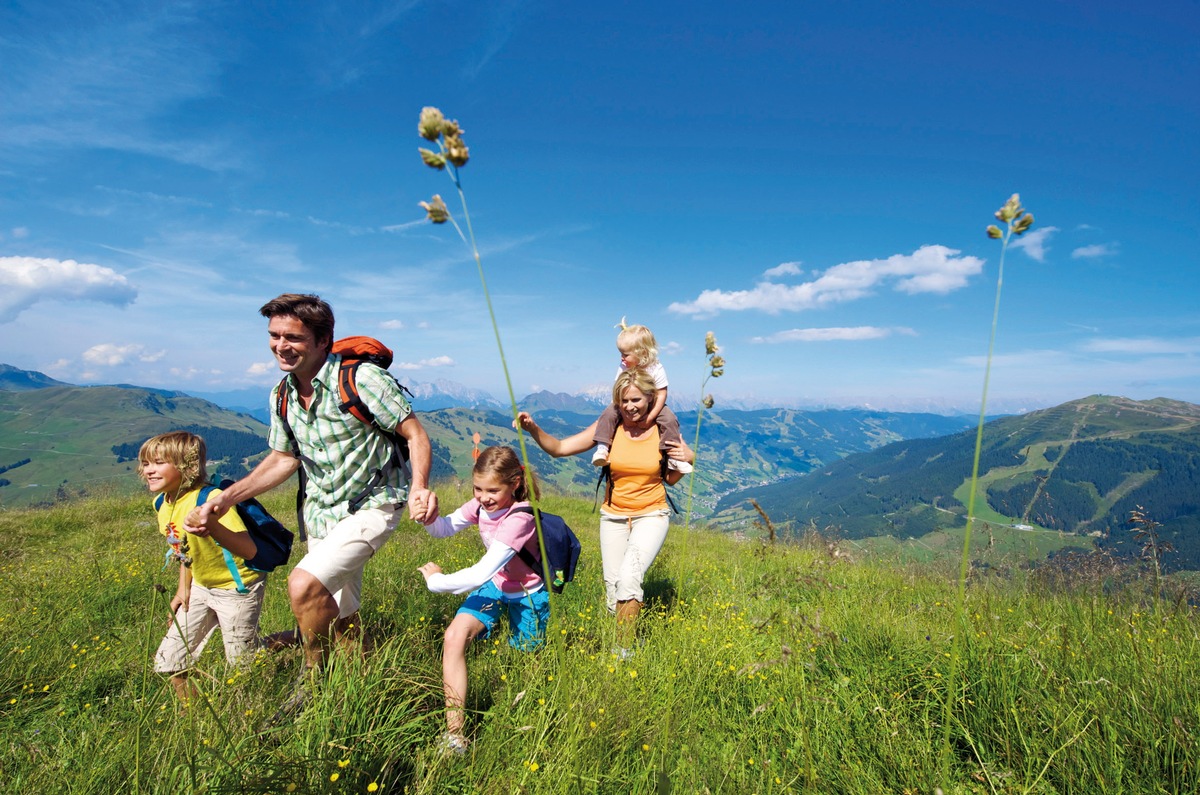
x,y
340,455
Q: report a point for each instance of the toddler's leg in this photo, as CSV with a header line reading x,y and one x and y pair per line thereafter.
x,y
669,433
606,426
668,428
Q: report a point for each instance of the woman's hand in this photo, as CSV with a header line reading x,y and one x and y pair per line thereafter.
x,y
680,451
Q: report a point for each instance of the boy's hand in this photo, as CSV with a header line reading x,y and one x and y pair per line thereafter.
x,y
430,569
198,518
178,601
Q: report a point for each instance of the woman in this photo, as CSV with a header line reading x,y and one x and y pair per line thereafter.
x,y
635,516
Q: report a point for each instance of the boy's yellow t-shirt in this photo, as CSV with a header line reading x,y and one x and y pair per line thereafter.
x,y
209,568
636,465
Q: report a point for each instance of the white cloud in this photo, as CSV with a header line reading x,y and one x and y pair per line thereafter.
x,y
25,281
108,354
394,325
437,361
670,349
1034,243
1185,346
260,368
831,334
929,269
783,269
1097,250
20,232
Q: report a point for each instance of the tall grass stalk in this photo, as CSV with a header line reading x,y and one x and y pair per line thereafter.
x,y
1017,221
716,368
451,156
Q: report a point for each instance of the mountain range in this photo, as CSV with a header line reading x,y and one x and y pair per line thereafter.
x,y
1075,470
100,428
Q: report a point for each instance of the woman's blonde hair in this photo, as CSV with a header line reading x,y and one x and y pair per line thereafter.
x,y
639,341
635,377
505,465
182,450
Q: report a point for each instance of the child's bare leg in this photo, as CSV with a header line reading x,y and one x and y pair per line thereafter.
x,y
459,634
183,687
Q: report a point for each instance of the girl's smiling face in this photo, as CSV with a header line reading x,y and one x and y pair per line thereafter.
x,y
161,476
493,493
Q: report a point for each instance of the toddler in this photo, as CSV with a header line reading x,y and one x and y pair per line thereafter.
x,y
638,348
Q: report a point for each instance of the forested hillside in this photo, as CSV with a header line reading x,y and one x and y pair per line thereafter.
x,y
1079,468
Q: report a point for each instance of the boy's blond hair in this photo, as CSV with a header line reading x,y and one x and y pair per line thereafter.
x,y
639,340
184,451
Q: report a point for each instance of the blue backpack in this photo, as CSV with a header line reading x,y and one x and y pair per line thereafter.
x,y
562,548
274,541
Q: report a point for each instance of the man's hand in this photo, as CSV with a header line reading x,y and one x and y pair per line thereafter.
x,y
422,505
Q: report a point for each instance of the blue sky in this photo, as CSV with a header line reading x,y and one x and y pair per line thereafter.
x,y
810,181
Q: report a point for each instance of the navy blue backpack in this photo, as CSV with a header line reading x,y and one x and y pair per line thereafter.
x,y
562,548
274,541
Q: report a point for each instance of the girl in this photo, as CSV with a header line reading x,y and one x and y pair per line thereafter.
x,y
216,589
501,582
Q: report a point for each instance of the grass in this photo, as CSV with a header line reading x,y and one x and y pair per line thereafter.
x,y
764,669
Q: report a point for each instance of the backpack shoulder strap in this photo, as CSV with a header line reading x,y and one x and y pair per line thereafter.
x,y
349,400
523,553
230,563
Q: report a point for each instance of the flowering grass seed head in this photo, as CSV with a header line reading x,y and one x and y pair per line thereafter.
x,y
456,150
432,159
430,124
436,209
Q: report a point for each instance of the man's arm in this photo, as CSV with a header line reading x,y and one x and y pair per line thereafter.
x,y
422,503
270,472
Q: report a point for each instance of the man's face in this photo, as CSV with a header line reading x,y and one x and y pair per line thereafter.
x,y
295,348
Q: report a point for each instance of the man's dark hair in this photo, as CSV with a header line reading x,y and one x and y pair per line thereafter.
x,y
314,313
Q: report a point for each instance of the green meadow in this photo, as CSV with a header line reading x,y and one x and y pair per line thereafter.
x,y
813,666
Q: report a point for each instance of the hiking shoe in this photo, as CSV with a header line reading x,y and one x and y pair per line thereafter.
x,y
294,704
679,466
621,653
453,744
600,457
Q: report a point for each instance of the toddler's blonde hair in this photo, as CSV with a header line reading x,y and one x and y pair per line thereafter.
x,y
185,451
638,340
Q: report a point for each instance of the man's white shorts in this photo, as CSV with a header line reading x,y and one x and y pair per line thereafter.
x,y
338,559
